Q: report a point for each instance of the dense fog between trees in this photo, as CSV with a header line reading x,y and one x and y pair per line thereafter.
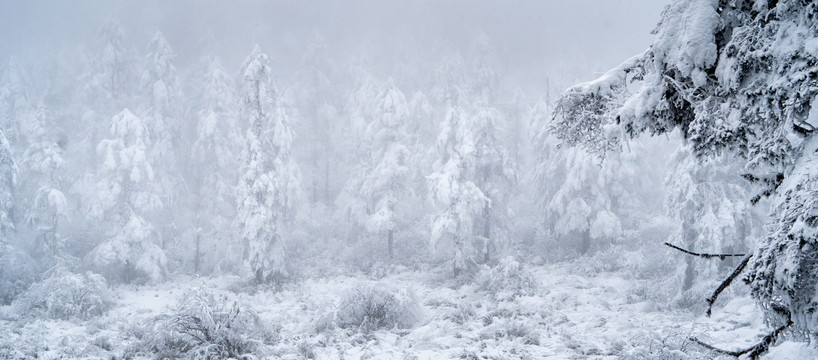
x,y
415,180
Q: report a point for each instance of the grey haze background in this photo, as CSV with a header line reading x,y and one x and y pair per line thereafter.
x,y
533,38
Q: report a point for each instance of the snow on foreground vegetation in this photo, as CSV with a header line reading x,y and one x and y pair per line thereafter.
x,y
572,310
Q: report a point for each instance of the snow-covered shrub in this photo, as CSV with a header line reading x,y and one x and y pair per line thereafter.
x,y
16,273
377,306
204,325
65,295
512,329
507,280
675,345
462,313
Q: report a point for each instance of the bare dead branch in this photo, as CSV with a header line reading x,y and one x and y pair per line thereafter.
x,y
706,256
724,284
754,351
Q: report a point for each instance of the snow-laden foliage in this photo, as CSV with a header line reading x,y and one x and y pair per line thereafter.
x,y
112,74
131,255
214,152
17,271
372,306
585,202
49,207
709,199
269,182
44,155
8,183
64,295
495,174
205,324
124,192
159,82
459,201
17,104
507,280
380,183
736,77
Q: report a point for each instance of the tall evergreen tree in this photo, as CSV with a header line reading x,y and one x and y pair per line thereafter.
x,y
8,183
386,169
459,201
495,176
124,194
215,153
269,177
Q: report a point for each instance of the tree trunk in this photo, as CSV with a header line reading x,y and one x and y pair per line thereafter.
x,y
584,242
487,233
197,254
689,236
389,239
326,182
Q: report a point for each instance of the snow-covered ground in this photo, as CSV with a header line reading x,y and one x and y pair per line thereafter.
x,y
568,316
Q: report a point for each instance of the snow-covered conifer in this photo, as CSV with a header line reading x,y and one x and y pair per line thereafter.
x,y
8,182
459,201
269,177
709,199
495,175
386,169
160,83
124,194
215,152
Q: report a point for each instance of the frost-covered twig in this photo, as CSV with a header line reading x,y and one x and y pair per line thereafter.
x,y
724,284
707,256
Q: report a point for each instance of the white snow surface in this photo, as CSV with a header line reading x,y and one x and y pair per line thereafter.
x,y
572,315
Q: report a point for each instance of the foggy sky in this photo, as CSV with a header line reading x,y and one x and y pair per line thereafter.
x,y
531,37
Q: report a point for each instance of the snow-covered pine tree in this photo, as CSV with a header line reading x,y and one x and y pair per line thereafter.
x,y
386,170
449,81
422,129
360,109
736,77
43,163
483,79
215,151
112,73
169,150
124,194
579,197
8,183
459,201
16,107
269,177
495,176
162,112
709,199
317,101
105,89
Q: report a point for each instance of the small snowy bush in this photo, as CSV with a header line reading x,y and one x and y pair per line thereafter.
x,y
512,329
205,325
65,295
675,345
507,280
377,306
